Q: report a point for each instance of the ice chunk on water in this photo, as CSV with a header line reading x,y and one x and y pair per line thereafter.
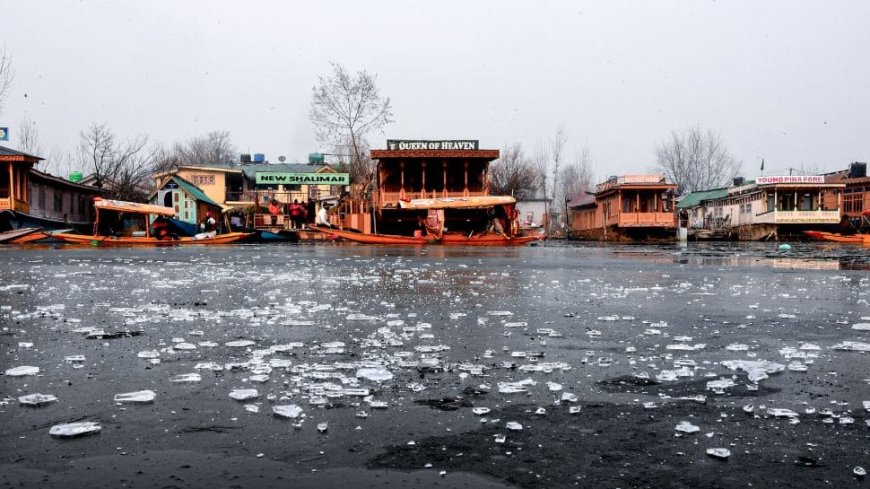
x,y
782,413
148,354
374,374
554,387
69,430
755,369
186,378
322,427
568,397
852,346
686,427
37,399
737,347
866,405
244,394
718,386
22,371
74,358
861,326
138,396
719,452
240,343
480,411
514,426
291,411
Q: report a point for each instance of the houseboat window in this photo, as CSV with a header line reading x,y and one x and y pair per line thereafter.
x,y
4,185
786,202
203,180
176,196
292,188
42,198
806,202
771,202
58,202
853,201
167,200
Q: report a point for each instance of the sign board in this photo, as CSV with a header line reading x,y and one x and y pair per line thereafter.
x,y
790,179
4,134
417,144
281,178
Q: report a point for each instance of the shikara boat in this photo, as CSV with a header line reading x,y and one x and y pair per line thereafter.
x,y
447,239
23,235
839,238
142,212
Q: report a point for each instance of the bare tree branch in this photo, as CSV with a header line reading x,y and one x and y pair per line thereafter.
x,y
121,168
215,148
696,160
513,174
344,110
7,75
28,137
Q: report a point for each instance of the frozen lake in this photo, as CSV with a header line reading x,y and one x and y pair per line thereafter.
x,y
554,366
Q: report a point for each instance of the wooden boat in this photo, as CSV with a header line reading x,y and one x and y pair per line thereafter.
x,y
18,236
447,239
839,238
142,212
97,240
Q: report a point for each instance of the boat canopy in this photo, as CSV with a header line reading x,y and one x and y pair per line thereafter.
x,y
458,202
133,207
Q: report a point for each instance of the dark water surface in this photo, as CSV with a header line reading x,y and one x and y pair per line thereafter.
x,y
639,338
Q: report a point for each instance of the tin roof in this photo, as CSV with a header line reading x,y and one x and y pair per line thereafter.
x,y
695,198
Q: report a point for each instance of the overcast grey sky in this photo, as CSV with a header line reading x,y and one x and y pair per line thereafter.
x,y
787,81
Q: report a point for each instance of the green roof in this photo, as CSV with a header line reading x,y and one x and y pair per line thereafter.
x,y
696,198
193,190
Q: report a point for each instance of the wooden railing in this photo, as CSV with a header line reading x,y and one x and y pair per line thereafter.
x,y
647,219
798,217
391,199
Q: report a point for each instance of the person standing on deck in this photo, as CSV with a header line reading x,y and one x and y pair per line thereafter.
x,y
322,218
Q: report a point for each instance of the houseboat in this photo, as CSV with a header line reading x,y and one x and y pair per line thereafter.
x,y
772,207
33,199
431,192
626,208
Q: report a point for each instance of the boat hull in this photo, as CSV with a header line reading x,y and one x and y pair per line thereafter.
x,y
840,238
22,235
148,241
447,239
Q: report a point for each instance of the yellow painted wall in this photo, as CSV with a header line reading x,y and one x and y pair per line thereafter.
x,y
216,192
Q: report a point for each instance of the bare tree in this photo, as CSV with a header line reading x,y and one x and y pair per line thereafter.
x,y
696,160
557,147
361,169
513,174
120,167
345,109
214,148
575,177
28,137
7,74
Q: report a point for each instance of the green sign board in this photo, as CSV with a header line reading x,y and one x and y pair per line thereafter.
x,y
280,178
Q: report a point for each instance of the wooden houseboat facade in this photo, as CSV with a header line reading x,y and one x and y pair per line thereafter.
x,y
773,207
432,192
626,208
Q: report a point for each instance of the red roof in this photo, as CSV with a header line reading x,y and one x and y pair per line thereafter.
x,y
435,154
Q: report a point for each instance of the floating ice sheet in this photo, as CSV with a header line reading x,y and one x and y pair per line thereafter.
x,y
136,397
37,400
70,430
22,371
